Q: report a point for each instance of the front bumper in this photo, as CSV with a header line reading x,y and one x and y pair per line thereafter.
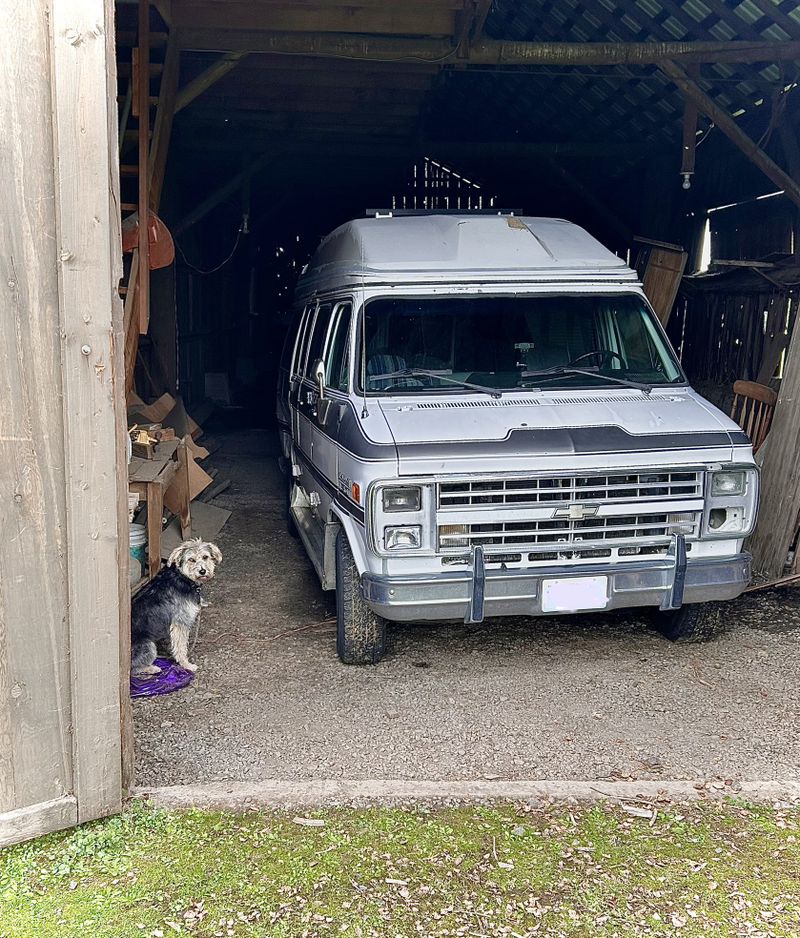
x,y
474,594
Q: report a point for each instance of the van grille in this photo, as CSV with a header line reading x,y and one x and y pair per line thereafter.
x,y
572,534
606,488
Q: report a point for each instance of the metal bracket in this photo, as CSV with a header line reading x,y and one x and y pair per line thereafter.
x,y
673,598
475,610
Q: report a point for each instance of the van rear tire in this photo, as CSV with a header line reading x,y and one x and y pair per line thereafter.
x,y
694,622
360,633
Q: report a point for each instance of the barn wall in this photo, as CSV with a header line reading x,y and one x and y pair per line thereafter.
x,y
63,537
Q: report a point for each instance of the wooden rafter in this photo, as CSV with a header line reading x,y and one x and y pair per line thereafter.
x,y
206,79
694,93
487,51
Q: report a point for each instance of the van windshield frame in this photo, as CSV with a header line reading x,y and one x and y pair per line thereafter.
x,y
504,342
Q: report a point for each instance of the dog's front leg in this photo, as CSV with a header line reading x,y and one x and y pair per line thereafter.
x,y
179,640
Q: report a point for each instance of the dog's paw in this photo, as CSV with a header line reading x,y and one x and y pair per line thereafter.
x,y
150,669
189,667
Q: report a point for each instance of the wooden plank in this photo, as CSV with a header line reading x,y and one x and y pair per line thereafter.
x,y
694,93
206,79
398,19
127,755
143,97
780,475
96,529
222,38
162,128
219,195
662,278
35,820
35,701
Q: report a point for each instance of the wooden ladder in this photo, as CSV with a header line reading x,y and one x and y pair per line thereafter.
x,y
148,64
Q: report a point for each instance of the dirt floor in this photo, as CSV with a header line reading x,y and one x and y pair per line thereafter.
x,y
591,697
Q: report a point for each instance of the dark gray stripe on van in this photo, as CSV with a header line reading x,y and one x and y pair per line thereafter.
x,y
572,441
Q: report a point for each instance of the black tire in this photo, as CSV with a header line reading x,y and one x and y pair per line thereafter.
x,y
291,527
360,633
695,622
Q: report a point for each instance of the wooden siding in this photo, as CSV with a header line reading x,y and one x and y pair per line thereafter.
x,y
63,522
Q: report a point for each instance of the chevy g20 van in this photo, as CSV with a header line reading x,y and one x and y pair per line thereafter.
x,y
482,416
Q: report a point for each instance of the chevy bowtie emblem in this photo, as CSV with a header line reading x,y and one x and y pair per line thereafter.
x,y
576,512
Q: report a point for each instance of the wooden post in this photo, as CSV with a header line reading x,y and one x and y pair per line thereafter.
x,y
143,96
780,475
36,788
90,251
732,131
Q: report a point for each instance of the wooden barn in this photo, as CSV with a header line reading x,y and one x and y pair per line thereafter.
x,y
244,130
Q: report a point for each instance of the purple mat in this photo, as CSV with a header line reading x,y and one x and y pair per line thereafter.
x,y
172,678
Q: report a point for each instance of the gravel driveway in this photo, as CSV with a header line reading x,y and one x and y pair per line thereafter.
x,y
590,697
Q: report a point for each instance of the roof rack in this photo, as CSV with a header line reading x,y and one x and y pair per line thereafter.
x,y
403,212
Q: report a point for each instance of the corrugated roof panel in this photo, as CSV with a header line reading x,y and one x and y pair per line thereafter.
x,y
674,27
696,9
722,31
650,7
748,11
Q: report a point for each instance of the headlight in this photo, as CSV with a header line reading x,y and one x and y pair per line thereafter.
x,y
402,498
404,538
728,483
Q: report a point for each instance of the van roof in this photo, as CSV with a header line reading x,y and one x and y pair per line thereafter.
x,y
459,248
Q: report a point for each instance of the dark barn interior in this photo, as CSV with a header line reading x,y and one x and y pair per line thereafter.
x,y
667,129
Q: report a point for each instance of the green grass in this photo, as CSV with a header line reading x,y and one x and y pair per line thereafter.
x,y
703,869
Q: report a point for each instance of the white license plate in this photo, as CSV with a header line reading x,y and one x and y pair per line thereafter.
x,y
576,594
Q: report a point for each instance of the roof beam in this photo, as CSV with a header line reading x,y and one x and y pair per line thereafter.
x,y
694,93
206,79
486,51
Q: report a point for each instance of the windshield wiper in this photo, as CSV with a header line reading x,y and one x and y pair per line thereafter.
x,y
560,370
424,373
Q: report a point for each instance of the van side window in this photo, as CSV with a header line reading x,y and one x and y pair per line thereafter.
x,y
317,342
302,341
337,359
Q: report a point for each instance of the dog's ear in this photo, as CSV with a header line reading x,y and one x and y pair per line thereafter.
x,y
215,552
176,556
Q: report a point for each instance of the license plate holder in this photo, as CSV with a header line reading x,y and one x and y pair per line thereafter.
x,y
575,594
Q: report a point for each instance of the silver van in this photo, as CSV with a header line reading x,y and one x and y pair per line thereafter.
x,y
481,416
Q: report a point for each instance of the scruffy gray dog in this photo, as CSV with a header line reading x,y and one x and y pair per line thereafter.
x,y
165,611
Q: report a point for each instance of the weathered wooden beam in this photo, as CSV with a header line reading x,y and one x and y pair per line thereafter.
x,y
389,19
143,97
232,186
162,129
95,540
206,79
485,52
780,475
694,93
482,14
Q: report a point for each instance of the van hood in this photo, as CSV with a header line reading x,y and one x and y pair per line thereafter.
x,y
579,423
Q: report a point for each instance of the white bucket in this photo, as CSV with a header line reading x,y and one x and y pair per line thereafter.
x,y
138,547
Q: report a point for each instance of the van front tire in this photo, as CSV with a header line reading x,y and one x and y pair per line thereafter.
x,y
695,622
360,633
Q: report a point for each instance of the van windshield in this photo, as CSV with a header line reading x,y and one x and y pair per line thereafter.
x,y
513,342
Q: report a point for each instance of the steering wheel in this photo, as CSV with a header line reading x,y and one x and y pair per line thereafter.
x,y
605,353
